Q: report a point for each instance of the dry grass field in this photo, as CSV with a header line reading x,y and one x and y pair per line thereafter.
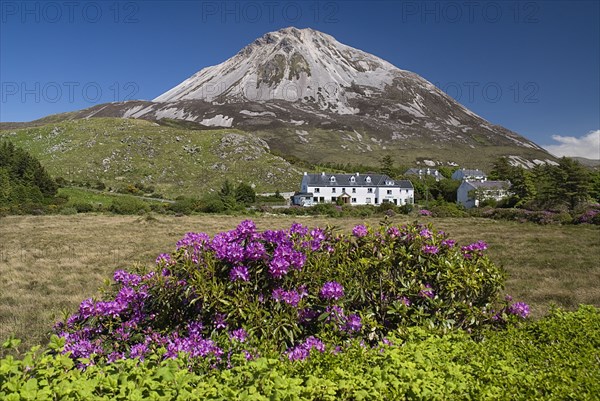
x,y
48,264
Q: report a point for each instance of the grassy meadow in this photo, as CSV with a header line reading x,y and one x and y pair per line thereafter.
x,y
48,264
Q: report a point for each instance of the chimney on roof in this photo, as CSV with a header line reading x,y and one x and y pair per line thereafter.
x,y
305,173
357,174
323,174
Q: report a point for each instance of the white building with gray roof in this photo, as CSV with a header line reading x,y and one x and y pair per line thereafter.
x,y
353,189
471,193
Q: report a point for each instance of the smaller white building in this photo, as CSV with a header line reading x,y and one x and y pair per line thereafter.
x,y
471,193
469,175
353,189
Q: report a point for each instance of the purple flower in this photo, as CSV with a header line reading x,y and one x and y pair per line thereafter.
x,y
87,308
405,301
219,321
332,290
246,229
449,243
302,350
138,351
289,297
114,356
195,328
475,248
430,249
360,231
278,267
425,233
519,309
424,212
255,251
274,237
299,229
239,273
393,232
353,323
121,276
427,292
239,335
164,259
193,240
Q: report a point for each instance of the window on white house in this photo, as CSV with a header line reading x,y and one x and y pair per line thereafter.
x,y
332,179
368,179
317,190
333,199
332,190
389,191
368,200
353,190
353,200
369,190
315,199
352,179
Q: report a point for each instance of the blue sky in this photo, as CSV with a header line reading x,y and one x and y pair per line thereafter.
x,y
531,66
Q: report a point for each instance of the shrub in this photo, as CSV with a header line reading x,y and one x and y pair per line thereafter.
x,y
212,204
447,210
184,205
590,215
128,205
68,210
539,216
289,291
83,207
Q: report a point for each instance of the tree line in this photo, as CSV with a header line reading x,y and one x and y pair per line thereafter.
x,y
24,183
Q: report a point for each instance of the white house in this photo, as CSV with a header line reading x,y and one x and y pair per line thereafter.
x,y
469,175
470,193
422,172
353,189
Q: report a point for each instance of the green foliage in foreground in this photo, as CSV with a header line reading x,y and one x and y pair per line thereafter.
x,y
556,358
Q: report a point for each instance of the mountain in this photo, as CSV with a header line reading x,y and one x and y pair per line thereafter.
x,y
314,99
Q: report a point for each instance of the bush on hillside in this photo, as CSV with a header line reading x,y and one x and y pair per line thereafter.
x,y
128,205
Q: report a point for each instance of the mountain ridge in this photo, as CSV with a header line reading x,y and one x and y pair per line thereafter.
x,y
313,98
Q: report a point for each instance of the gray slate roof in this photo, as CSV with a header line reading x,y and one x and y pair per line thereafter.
x,y
471,173
344,180
489,184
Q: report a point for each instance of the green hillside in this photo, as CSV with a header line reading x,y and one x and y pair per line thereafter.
x,y
172,161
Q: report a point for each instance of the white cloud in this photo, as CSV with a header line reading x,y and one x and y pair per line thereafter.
x,y
587,146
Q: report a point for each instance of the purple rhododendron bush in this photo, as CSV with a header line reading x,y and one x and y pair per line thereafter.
x,y
245,293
